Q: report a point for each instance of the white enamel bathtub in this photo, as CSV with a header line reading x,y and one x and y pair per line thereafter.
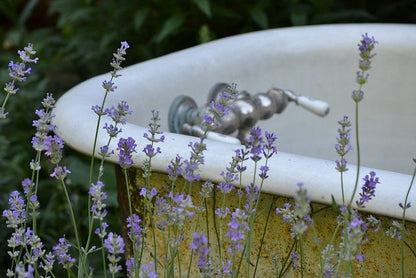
x,y
316,61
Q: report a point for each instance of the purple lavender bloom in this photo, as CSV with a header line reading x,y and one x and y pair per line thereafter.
x,y
343,146
3,113
112,130
368,189
255,143
263,172
27,185
252,195
98,196
16,215
206,189
353,234
361,78
360,257
220,107
97,110
34,244
37,144
22,272
154,129
118,114
26,53
109,86
366,46
238,160
130,267
48,102
114,245
222,212
60,172
47,262
175,168
238,229
43,127
134,229
299,216
227,185
126,147
150,151
200,246
395,230
101,232
226,268
148,194
118,57
163,211
408,205
53,148
209,120
148,271
197,158
183,208
61,253
104,151
269,148
18,71
294,257
10,88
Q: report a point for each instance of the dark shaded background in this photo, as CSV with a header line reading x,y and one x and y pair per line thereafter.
x,y
75,39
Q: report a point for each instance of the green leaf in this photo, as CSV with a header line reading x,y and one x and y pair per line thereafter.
x,y
27,11
204,6
139,18
259,17
171,25
335,206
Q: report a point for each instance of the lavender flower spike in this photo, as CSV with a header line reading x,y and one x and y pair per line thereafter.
x,y
366,46
118,57
126,147
115,246
16,215
134,229
61,252
18,72
368,189
200,246
98,196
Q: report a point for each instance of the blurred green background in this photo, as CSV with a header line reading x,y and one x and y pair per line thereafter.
x,y
75,40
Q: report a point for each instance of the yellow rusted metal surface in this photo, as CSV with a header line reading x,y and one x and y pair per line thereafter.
x,y
381,252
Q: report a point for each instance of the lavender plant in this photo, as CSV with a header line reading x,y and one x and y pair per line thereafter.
x,y
157,230
18,72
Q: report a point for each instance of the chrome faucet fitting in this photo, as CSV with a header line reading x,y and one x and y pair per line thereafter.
x,y
186,117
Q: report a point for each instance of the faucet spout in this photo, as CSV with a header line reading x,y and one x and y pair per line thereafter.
x,y
186,117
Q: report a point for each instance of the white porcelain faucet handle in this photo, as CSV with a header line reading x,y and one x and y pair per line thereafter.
x,y
318,107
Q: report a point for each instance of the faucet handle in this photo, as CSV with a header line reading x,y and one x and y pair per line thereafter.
x,y
318,107
186,117
315,106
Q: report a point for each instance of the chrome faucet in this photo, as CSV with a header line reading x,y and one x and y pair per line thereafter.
x,y
185,116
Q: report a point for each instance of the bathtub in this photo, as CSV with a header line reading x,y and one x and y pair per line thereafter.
x,y
316,61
